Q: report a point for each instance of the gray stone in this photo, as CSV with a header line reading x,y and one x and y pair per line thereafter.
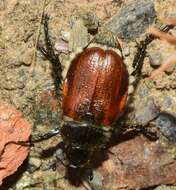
x,y
167,125
132,20
97,181
34,164
146,110
155,59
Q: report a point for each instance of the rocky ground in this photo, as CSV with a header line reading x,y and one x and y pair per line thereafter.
x,y
134,161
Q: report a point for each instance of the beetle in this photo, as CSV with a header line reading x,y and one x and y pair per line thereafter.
x,y
94,95
93,100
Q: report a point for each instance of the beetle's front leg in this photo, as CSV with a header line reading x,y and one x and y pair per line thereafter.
x,y
50,54
39,138
45,136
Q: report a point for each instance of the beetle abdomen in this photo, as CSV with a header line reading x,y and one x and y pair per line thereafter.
x,y
95,86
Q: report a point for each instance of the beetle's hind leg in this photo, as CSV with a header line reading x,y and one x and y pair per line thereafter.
x,y
49,53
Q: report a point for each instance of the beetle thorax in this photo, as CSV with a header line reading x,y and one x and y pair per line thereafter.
x,y
84,135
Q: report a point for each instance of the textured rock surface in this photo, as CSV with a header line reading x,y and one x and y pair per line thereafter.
x,y
22,83
132,20
145,111
13,128
138,163
167,124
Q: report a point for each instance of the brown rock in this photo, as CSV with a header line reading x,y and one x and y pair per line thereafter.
x,y
138,163
13,128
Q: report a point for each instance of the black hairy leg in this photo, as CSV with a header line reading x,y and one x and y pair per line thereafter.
x,y
49,53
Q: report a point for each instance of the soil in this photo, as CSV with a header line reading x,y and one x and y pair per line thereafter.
x,y
26,83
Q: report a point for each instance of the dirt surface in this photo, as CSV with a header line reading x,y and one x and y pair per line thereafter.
x,y
26,83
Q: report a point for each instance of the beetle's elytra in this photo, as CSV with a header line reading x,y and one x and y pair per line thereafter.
x,y
96,84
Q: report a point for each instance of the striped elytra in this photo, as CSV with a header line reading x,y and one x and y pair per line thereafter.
x,y
95,85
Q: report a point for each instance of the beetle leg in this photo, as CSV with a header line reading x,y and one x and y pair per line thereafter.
x,y
87,185
162,32
43,51
50,54
22,143
163,36
38,138
141,50
45,136
140,55
66,165
149,133
134,127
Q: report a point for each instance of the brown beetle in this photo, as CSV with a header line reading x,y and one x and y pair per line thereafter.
x,y
94,94
96,83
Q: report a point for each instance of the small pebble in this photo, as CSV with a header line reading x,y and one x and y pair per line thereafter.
x,y
61,46
143,92
130,89
125,50
33,164
155,59
167,125
78,36
97,181
65,35
91,21
165,187
167,101
146,110
132,79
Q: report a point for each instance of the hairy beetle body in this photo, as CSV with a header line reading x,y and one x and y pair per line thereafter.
x,y
94,95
